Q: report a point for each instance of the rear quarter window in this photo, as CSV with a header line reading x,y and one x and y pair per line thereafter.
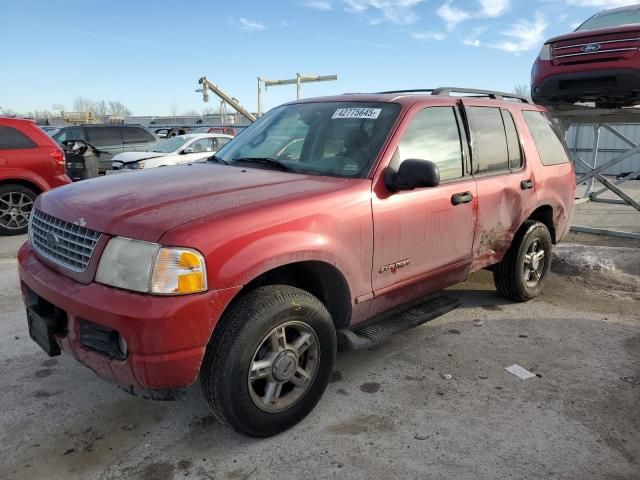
x,y
104,136
11,138
136,135
547,138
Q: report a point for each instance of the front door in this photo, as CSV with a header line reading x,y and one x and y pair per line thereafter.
x,y
423,238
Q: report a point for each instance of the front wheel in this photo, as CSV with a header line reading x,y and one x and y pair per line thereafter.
x,y
16,202
269,360
522,272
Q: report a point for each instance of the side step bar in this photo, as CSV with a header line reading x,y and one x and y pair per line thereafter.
x,y
363,336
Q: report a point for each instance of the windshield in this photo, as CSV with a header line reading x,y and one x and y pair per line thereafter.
x,y
339,139
614,18
169,145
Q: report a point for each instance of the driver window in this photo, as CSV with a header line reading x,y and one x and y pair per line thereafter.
x,y
433,135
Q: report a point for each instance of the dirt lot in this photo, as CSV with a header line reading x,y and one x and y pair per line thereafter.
x,y
388,412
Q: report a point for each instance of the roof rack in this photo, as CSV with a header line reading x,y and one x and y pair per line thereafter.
x,y
447,91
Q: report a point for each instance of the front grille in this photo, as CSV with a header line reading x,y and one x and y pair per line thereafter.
x,y
64,243
610,47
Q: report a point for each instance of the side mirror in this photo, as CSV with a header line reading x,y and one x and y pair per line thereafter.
x,y
75,147
413,173
188,150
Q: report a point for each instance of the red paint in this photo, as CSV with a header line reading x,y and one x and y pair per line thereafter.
x,y
41,167
248,221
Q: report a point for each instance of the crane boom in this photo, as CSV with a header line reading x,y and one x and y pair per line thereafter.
x,y
207,85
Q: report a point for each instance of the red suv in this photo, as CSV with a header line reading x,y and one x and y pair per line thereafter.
x,y
246,270
599,62
30,163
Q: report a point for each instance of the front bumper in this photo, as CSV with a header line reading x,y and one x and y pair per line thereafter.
x,y
166,336
611,85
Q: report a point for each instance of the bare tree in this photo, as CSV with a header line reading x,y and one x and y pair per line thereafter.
x,y
208,111
191,113
83,104
101,110
523,90
173,110
118,109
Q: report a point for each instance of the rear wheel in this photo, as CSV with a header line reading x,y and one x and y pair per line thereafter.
x,y
269,360
16,202
521,274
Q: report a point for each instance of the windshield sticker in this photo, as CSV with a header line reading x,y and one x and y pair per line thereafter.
x,y
371,113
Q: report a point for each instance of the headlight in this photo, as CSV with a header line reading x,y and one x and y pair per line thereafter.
x,y
149,268
545,52
135,165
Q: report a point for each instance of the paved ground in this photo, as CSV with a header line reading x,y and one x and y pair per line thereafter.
x,y
388,412
610,216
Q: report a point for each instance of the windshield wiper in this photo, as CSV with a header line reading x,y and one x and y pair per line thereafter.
x,y
215,158
265,161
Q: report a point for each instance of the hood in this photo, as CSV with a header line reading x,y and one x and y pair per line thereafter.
x,y
128,157
146,204
589,34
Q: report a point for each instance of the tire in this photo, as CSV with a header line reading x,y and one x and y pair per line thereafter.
x,y
510,274
238,343
16,202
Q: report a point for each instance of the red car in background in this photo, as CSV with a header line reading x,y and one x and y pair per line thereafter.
x,y
31,162
599,62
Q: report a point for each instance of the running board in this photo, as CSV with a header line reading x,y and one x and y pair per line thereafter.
x,y
363,336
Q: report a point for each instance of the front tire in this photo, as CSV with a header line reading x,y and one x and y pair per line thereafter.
x,y
269,360
521,274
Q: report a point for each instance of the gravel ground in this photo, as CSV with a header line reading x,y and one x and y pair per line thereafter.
x,y
388,412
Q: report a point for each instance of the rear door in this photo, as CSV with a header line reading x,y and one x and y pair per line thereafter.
x,y
423,238
506,184
108,142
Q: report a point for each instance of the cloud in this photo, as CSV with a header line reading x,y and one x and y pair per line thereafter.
x,y
471,42
395,11
318,5
494,8
524,35
600,3
250,25
452,16
428,36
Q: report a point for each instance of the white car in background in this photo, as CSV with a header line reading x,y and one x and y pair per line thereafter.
x,y
188,148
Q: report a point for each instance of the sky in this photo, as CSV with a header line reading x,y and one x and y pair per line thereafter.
x,y
149,55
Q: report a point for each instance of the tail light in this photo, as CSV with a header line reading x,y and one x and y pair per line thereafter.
x,y
57,156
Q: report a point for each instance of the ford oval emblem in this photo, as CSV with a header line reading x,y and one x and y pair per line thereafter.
x,y
52,240
591,48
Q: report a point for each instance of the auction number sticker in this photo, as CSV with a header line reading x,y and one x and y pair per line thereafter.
x,y
371,113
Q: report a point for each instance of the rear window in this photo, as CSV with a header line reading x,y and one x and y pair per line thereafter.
x,y
103,136
548,139
492,154
10,139
513,142
136,135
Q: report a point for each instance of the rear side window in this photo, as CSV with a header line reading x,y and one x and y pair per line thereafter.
x,y
72,133
222,141
491,152
103,136
547,138
513,142
10,139
433,135
136,135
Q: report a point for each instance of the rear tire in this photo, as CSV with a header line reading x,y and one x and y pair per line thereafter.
x,y
521,274
269,360
16,202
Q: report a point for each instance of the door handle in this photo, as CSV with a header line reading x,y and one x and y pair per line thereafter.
x,y
460,198
526,184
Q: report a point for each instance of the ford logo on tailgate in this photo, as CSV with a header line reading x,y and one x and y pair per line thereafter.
x,y
591,48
